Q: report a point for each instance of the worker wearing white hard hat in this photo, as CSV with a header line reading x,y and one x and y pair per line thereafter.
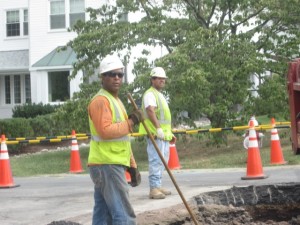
x,y
158,120
110,63
158,72
110,150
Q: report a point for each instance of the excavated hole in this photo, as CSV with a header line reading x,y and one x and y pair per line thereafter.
x,y
269,204
253,205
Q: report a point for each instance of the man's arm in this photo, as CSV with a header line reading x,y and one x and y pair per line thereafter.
x,y
150,110
152,116
101,115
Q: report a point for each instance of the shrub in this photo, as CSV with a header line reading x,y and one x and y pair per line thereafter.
x,y
18,127
31,110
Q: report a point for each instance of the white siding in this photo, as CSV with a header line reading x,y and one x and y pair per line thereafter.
x,y
42,39
11,43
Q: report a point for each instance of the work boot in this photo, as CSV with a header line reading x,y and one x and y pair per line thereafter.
x,y
156,194
164,191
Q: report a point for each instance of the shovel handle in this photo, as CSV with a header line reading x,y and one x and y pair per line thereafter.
x,y
164,162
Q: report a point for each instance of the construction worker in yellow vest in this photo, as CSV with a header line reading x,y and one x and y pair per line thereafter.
x,y
110,150
158,120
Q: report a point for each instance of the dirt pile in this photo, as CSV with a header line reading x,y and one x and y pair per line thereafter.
x,y
253,205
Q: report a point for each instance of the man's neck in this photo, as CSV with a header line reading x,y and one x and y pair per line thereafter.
x,y
156,89
114,94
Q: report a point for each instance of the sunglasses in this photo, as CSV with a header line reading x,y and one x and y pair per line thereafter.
x,y
114,74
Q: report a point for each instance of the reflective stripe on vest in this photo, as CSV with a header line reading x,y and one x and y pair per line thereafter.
x,y
99,139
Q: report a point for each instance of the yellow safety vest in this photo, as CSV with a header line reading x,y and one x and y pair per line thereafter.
x,y
112,151
163,115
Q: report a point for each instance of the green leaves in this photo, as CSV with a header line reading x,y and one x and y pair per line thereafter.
x,y
215,49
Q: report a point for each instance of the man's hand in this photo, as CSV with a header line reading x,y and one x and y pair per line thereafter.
x,y
135,176
160,133
136,116
173,140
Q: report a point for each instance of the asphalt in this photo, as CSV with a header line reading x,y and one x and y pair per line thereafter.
x,y
44,199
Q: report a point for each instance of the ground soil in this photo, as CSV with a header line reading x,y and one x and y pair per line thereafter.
x,y
204,215
209,215
253,205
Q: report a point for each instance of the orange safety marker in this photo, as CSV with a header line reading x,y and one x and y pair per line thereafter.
x,y
276,155
127,176
254,165
6,179
75,163
173,162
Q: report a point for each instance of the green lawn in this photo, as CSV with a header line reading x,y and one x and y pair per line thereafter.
x,y
194,152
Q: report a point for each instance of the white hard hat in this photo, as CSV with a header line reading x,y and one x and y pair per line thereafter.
x,y
158,72
109,63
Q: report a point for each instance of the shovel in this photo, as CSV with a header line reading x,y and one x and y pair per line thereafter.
x,y
164,162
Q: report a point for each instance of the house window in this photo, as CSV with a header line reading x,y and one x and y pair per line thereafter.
x,y
17,23
59,86
77,11
57,14
27,89
17,89
25,22
12,23
7,90
65,13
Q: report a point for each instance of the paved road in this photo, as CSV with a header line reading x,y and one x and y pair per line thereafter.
x,y
44,199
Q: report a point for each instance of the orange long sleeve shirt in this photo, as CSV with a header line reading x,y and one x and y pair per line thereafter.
x,y
101,115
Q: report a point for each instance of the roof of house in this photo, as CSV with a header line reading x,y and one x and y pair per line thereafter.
x,y
14,60
57,57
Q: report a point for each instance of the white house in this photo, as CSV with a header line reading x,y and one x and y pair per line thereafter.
x,y
31,70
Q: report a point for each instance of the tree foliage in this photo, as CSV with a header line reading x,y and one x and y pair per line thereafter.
x,y
214,48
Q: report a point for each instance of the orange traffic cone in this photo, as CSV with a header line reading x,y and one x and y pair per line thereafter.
x,y
127,176
254,165
75,163
173,162
276,151
6,179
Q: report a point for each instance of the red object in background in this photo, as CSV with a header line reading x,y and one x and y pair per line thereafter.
x,y
293,86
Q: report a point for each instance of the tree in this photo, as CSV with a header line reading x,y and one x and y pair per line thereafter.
x,y
214,47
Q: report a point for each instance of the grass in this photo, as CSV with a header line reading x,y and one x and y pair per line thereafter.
x,y
194,152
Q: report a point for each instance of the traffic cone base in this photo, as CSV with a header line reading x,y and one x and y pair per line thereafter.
x,y
173,162
254,177
6,178
276,155
254,165
75,162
